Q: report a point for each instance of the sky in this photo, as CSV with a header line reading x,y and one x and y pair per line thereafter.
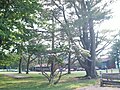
x,y
114,22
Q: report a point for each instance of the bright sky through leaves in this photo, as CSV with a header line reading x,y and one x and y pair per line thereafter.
x,y
114,22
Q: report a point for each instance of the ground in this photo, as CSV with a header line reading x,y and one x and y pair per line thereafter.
x,y
38,82
97,87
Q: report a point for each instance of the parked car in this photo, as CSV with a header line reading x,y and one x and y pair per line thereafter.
x,y
72,69
96,68
26,70
80,69
14,70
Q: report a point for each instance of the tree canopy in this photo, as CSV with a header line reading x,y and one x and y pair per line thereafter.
x,y
17,20
69,27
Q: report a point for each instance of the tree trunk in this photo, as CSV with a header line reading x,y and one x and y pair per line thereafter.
x,y
52,68
91,45
52,62
69,59
0,40
27,69
92,51
118,66
28,63
20,65
89,41
69,63
88,72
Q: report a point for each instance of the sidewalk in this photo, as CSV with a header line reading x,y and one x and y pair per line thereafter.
x,y
97,87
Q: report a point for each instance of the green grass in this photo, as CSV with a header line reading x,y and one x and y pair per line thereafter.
x,y
39,82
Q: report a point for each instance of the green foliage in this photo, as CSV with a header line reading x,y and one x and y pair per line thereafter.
x,y
86,53
56,59
8,59
17,19
115,53
61,48
38,48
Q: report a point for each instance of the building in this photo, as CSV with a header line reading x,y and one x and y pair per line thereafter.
x,y
106,63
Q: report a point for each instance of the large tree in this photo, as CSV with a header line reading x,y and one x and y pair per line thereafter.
x,y
17,19
77,19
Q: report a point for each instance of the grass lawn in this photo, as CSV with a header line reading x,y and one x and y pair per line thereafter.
x,y
39,82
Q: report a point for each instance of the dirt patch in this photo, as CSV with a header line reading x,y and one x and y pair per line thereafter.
x,y
97,87
16,76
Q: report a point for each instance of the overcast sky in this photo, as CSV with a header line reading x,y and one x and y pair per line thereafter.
x,y
114,22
